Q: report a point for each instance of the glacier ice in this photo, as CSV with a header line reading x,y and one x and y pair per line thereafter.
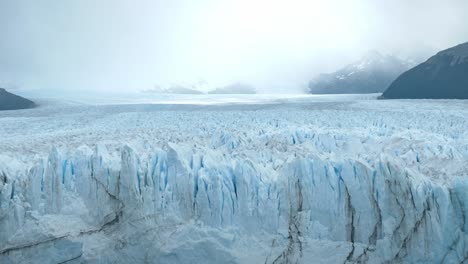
x,y
350,183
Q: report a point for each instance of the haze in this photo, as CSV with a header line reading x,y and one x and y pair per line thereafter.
x,y
277,46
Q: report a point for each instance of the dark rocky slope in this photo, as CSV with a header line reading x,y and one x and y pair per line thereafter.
x,y
9,101
443,76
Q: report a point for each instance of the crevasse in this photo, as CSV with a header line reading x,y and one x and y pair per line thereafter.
x,y
174,205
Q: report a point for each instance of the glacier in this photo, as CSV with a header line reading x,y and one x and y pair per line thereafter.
x,y
306,180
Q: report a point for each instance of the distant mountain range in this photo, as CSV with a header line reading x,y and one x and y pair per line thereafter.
x,y
371,74
175,89
9,101
236,88
444,75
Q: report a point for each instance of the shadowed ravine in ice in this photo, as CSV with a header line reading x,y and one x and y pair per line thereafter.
x,y
181,205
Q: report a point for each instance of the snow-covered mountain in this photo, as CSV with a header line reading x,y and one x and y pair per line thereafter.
x,y
235,88
371,74
174,89
9,101
444,75
314,181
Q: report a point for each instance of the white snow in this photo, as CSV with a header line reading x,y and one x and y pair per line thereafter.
x,y
248,179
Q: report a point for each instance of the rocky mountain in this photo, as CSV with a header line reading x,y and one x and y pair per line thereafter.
x,y
443,76
9,101
371,74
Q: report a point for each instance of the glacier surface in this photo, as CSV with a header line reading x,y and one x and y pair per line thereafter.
x,y
324,179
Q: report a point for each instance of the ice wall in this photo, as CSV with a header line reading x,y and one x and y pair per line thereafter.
x,y
182,204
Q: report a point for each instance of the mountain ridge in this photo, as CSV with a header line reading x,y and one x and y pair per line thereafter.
x,y
9,101
442,76
373,73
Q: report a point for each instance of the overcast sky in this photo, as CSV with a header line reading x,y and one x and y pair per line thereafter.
x,y
124,45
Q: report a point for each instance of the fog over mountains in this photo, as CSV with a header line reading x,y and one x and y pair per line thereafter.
x,y
235,88
203,88
117,46
233,131
373,73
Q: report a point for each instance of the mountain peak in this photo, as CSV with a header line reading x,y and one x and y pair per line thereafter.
x,y
373,73
373,55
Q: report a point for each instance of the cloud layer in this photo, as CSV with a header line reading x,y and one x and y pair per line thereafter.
x,y
117,45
